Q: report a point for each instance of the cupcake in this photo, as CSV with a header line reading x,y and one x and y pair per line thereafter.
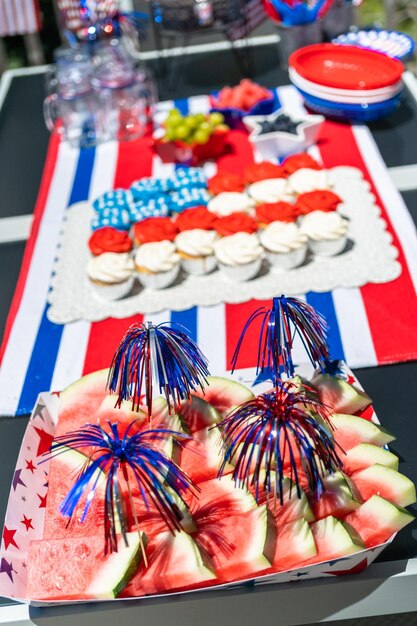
x,y
235,223
154,229
229,202
319,200
239,256
157,264
326,232
196,250
225,181
109,239
307,179
263,171
111,275
269,212
299,161
285,245
270,190
198,217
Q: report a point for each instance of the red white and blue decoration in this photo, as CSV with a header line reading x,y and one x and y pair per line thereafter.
x,y
393,43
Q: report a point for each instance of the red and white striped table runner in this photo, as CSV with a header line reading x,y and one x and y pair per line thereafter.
x,y
19,17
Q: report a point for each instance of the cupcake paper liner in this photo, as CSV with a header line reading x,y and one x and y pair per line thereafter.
x,y
159,280
241,273
327,247
113,291
287,260
199,266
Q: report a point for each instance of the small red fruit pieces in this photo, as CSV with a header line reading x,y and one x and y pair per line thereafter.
x,y
225,181
243,96
263,171
297,162
320,200
238,222
155,229
276,212
109,239
197,217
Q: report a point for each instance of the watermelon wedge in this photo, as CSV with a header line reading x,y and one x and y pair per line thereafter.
x,y
333,540
217,499
198,414
366,454
339,395
349,430
239,546
202,455
292,507
337,499
294,546
77,569
174,563
385,482
224,394
377,520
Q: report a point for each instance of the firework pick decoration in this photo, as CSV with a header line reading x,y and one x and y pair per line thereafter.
x,y
277,433
279,325
162,357
117,466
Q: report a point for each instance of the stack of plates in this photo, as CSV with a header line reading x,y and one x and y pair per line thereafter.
x,y
346,82
391,42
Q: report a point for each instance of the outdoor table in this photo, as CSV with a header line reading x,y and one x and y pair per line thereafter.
x,y
386,587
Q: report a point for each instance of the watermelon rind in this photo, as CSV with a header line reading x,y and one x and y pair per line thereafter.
x,y
224,394
386,482
358,429
81,387
339,395
197,414
366,454
337,499
295,552
333,539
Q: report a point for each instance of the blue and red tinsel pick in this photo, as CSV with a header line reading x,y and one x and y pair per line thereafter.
x,y
284,432
280,324
115,468
162,357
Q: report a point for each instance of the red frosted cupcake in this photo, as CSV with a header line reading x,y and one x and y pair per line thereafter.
x,y
236,223
276,212
263,171
225,181
299,161
109,239
154,229
198,217
320,200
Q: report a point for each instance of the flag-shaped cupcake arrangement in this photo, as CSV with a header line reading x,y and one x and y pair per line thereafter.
x,y
172,479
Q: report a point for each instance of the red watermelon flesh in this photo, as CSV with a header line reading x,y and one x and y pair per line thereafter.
x,y
197,414
201,456
239,546
377,520
294,506
338,497
174,562
339,395
77,569
366,454
385,482
350,430
294,546
216,499
333,540
224,394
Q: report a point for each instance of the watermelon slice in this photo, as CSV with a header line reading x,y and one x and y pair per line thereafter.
x,y
198,414
79,402
339,395
76,568
349,430
366,454
294,546
377,520
337,499
217,499
174,562
224,394
292,507
239,546
202,455
385,482
333,540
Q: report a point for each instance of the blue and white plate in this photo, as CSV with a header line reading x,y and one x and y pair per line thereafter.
x,y
391,42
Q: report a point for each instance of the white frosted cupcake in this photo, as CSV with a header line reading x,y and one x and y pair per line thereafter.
x,y
157,264
196,249
285,245
326,232
111,275
270,190
229,202
239,256
307,179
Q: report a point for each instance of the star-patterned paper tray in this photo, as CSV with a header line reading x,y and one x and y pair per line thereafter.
x,y
25,514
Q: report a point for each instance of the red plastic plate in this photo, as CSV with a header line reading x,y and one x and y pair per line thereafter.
x,y
346,67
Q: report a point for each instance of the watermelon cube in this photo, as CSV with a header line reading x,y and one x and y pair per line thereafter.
x,y
377,520
385,482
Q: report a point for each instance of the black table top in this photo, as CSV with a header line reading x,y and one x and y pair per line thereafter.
x,y
23,145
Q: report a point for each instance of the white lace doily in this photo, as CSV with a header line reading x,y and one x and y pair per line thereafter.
x,y
369,257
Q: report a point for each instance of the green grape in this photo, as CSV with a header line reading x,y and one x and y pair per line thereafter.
x,y
170,133
174,113
182,132
206,127
199,118
201,136
223,127
191,122
216,118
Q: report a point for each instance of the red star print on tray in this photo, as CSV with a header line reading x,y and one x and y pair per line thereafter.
x,y
42,499
30,466
45,441
27,522
8,537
